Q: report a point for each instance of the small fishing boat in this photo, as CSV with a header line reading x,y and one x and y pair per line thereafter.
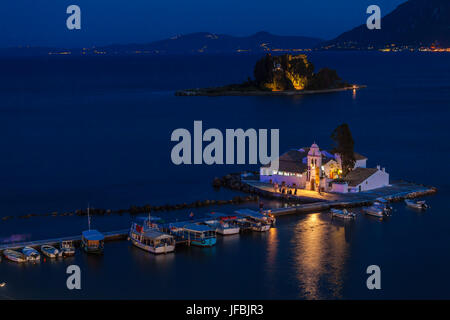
x,y
222,224
92,241
385,203
151,239
49,251
416,204
31,254
2,284
343,214
67,248
14,256
375,211
379,209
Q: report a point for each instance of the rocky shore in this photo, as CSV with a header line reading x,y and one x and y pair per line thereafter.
x,y
215,92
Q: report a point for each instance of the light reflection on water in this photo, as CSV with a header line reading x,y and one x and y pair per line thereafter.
x,y
319,254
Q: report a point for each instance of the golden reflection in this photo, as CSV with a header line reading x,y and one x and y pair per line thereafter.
x,y
272,247
320,251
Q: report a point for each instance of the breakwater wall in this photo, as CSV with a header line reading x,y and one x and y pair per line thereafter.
x,y
134,210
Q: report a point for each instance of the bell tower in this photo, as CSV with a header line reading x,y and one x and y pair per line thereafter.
x,y
314,160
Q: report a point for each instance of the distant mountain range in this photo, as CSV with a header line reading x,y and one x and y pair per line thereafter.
x,y
205,42
415,23
194,43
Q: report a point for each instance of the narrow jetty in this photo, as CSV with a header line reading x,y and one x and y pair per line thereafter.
x,y
394,193
109,236
325,201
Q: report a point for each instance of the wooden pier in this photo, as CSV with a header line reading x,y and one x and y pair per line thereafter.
x,y
109,236
395,192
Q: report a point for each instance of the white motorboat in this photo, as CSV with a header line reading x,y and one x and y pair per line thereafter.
x,y
418,204
3,284
376,211
223,223
14,256
49,251
343,214
223,227
385,203
31,254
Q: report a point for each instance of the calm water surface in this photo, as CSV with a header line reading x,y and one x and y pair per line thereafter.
x,y
98,130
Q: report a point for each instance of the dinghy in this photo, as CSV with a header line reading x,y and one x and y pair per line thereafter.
x,y
31,254
343,214
49,251
418,204
14,256
376,211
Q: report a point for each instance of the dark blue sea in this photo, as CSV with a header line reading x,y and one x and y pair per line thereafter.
x,y
97,130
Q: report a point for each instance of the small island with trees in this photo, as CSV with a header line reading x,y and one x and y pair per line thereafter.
x,y
280,75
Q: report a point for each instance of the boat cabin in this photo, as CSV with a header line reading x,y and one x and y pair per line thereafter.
x,y
256,216
92,240
200,235
151,239
67,244
195,234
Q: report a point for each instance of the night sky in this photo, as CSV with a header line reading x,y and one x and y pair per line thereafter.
x,y
43,22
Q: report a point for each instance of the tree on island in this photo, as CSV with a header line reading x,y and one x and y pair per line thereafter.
x,y
325,79
292,72
344,146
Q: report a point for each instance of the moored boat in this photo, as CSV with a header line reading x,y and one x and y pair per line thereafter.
x,y
222,224
383,202
92,241
49,251
379,209
31,254
343,214
254,220
14,256
416,204
199,235
146,236
67,248
196,234
375,211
